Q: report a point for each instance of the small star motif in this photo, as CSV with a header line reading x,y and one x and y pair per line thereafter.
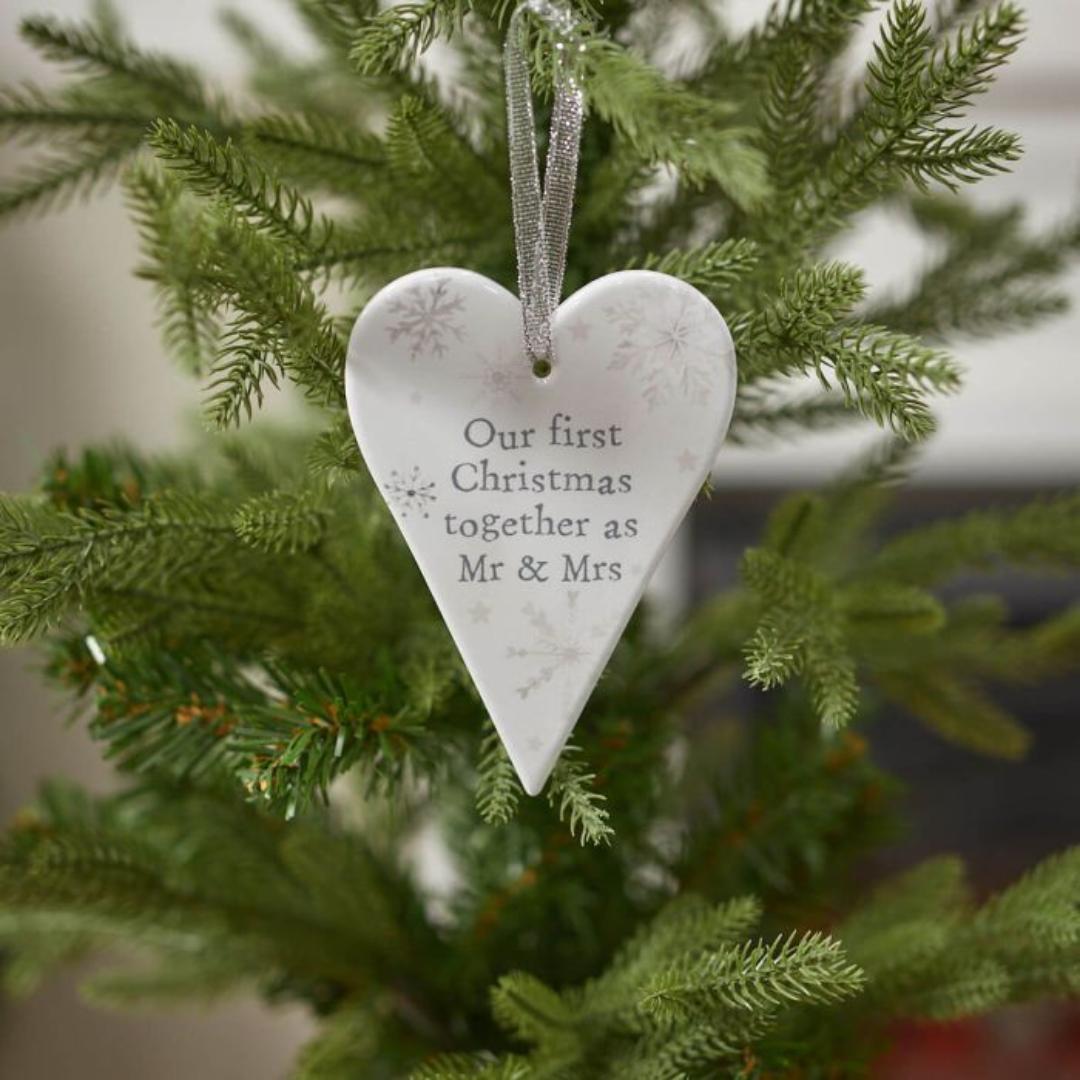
x,y
687,462
535,744
480,613
580,331
416,397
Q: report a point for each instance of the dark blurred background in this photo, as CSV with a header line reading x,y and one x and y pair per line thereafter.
x,y
1000,816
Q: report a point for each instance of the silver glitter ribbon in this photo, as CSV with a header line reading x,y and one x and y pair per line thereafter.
x,y
542,215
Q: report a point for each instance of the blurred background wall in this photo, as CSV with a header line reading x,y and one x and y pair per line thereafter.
x,y
80,361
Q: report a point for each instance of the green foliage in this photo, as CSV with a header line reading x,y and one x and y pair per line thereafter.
x,y
756,977
52,560
685,992
250,643
571,791
96,125
929,953
279,327
915,88
989,278
806,328
325,153
712,268
174,231
498,790
666,123
1041,533
801,631
218,170
345,1045
397,36
206,885
465,1067
98,50
826,613
279,522
425,151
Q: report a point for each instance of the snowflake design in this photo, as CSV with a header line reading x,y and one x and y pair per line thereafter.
x,y
558,643
428,319
667,345
502,377
410,493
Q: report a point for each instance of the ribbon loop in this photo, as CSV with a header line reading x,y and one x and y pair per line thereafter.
x,y
542,213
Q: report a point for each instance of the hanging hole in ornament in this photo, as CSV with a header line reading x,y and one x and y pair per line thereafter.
x,y
541,368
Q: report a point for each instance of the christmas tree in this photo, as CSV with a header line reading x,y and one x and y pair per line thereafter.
x,y
249,640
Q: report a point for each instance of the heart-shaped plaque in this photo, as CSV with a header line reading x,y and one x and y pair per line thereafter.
x,y
537,508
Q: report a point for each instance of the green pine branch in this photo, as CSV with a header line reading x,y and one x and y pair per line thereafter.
x,y
59,179
807,328
219,170
498,791
278,326
715,267
473,1067
756,977
572,792
1042,533
396,37
667,123
320,151
802,631
31,115
90,50
993,275
53,561
174,234
913,92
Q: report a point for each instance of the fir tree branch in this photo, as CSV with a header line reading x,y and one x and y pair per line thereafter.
x,y
335,455
882,374
54,182
527,1009
1045,532
685,929
758,418
279,326
571,792
825,26
222,171
94,52
498,791
477,1067
802,631
31,115
425,149
280,522
914,91
992,276
712,268
316,728
959,713
756,977
396,37
346,1044
174,234
50,561
321,151
667,123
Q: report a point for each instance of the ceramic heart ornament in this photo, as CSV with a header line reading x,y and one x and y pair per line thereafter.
x,y
537,509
